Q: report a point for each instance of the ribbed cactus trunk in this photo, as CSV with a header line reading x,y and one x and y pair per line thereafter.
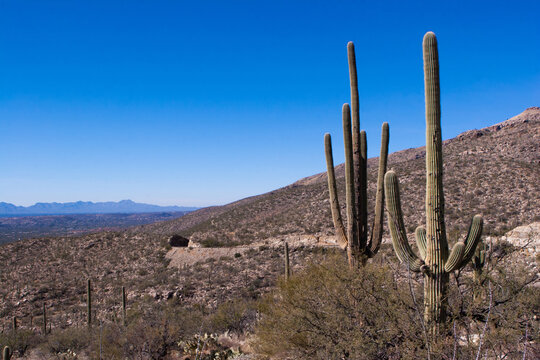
x,y
436,245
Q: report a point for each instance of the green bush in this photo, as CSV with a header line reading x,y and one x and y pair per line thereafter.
x,y
234,316
19,341
331,312
70,339
328,311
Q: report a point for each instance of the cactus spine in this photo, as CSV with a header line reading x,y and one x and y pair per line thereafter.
x,y
355,237
124,305
6,354
88,303
287,265
435,261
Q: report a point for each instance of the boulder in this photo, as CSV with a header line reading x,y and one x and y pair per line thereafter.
x,y
178,241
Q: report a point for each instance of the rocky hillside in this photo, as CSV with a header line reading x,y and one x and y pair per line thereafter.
x,y
493,171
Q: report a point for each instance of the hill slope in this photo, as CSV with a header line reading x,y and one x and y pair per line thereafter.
x,y
493,171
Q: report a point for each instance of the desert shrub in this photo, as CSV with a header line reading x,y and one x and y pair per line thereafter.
x,y
70,339
19,341
211,242
331,312
234,316
155,329
504,314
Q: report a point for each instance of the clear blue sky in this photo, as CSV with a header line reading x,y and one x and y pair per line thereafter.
x,y
206,102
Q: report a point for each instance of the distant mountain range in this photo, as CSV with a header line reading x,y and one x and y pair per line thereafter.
x,y
87,207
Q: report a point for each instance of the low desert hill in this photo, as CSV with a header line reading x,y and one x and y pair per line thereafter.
x,y
493,171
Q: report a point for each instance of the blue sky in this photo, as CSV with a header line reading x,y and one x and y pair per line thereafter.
x,y
206,102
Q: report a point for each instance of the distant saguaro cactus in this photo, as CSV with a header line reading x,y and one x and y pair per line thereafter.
x,y
435,261
44,320
355,239
88,303
14,323
124,305
287,265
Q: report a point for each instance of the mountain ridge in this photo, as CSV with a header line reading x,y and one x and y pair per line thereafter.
x,y
87,207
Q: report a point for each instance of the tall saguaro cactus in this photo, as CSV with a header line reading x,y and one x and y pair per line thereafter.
x,y
436,262
355,237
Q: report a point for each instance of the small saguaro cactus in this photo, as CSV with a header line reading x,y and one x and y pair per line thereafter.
x,y
287,264
44,320
478,261
355,238
6,354
436,262
124,305
88,303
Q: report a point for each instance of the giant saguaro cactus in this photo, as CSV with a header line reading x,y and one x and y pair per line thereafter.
x,y
355,238
435,260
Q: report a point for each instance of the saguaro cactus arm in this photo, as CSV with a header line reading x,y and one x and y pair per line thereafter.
x,y
395,223
358,156
472,239
332,189
420,236
456,255
378,220
352,230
